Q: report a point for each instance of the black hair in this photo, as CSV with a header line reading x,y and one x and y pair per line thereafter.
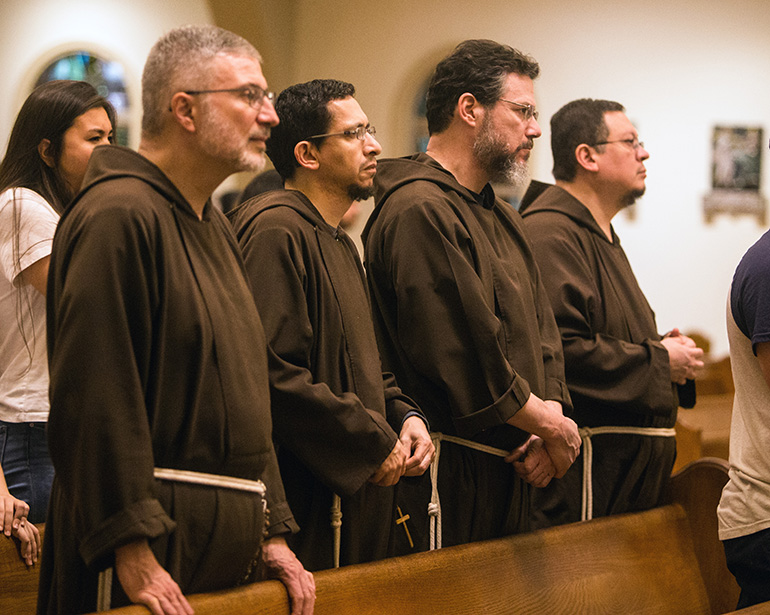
x,y
479,67
580,121
303,111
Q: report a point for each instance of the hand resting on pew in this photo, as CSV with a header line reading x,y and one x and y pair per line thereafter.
x,y
13,522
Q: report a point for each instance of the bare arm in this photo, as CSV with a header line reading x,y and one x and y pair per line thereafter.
x,y
37,275
763,356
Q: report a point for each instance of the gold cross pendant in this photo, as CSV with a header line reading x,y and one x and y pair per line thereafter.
x,y
402,518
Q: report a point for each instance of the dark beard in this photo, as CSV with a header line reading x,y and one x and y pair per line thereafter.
x,y
357,192
632,196
500,165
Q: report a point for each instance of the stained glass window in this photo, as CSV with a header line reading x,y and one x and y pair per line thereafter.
x,y
107,76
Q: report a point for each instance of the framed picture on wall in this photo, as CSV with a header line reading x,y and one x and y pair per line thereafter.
x,y
736,164
736,155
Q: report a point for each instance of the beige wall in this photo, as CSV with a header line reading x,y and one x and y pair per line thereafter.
x,y
679,68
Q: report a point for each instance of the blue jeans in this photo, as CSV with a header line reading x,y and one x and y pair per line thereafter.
x,y
27,466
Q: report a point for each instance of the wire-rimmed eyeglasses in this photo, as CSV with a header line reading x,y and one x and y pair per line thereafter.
x,y
359,132
528,111
634,144
255,94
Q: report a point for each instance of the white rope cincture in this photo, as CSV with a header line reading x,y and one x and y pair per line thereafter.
x,y
104,591
434,508
336,518
586,433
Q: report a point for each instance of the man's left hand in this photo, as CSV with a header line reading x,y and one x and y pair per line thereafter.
x,y
532,462
282,564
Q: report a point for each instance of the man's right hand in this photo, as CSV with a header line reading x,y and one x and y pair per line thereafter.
x,y
392,468
559,433
146,582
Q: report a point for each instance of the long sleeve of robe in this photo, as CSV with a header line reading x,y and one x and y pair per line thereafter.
x,y
615,362
462,317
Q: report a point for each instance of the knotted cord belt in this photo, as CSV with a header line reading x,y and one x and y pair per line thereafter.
x,y
104,592
434,508
586,433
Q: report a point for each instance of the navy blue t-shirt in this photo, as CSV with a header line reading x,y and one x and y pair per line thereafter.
x,y
750,293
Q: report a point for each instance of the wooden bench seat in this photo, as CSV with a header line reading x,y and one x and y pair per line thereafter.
x,y
666,560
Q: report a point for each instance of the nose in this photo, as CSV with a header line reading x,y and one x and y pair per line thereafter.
x,y
372,145
267,115
642,153
533,129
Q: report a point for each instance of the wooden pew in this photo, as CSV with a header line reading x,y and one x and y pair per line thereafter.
x,y
666,560
18,584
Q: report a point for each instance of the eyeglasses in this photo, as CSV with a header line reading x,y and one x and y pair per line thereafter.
x,y
634,144
359,132
528,111
255,94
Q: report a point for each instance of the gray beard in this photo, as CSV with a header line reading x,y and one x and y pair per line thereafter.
x,y
500,165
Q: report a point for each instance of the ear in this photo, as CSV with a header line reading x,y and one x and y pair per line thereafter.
x,y
306,154
586,157
468,109
43,148
183,110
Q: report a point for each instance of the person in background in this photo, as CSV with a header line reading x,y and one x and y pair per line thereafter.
x,y
621,373
744,523
59,125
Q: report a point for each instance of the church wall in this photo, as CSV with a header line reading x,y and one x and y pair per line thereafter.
x,y
679,68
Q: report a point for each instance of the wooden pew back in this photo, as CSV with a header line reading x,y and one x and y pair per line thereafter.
x,y
666,560
18,584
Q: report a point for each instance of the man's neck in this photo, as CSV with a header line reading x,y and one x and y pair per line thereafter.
x,y
193,176
330,204
600,206
457,158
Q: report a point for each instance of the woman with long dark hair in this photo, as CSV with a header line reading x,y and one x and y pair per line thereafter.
x,y
58,126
